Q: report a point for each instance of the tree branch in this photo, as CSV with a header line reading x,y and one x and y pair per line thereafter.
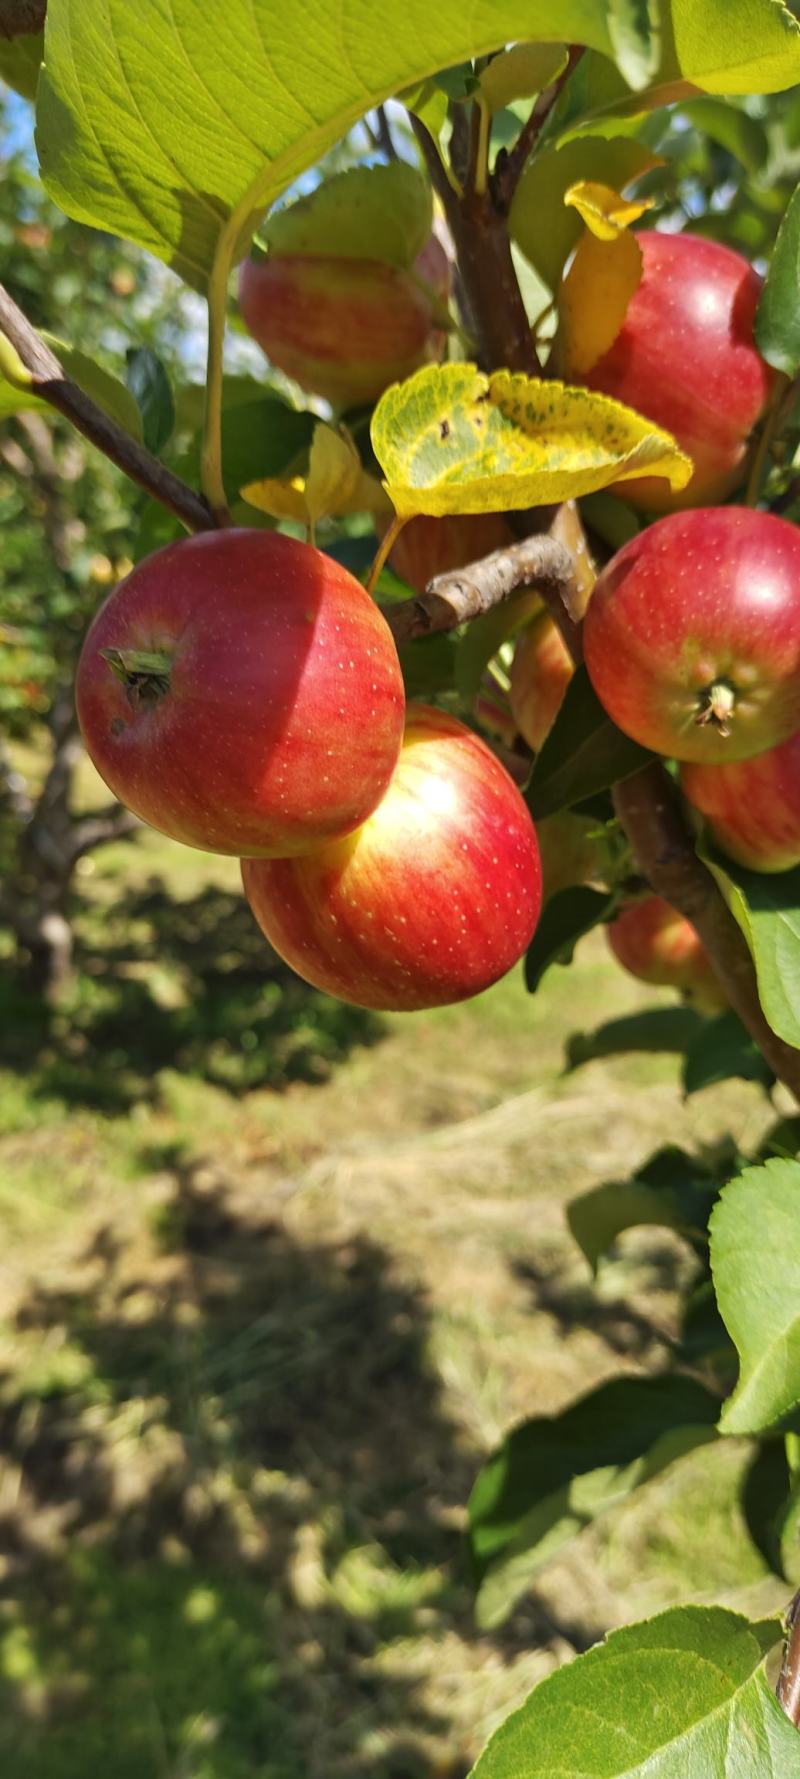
x,y
650,812
465,593
114,823
47,380
510,162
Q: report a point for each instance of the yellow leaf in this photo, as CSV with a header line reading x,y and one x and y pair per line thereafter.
x,y
604,211
453,440
594,299
521,71
334,484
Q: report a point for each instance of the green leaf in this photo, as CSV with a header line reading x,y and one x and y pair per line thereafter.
x,y
553,1475
722,1051
771,1507
635,30
673,1196
566,918
429,665
755,1261
165,123
657,1029
521,71
680,1696
767,907
734,130
382,212
20,61
541,223
482,639
149,385
106,390
584,752
737,46
777,328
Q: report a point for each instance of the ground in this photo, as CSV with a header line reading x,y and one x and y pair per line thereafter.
x,y
275,1275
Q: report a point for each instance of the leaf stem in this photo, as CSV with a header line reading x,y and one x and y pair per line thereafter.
x,y
768,430
386,544
211,479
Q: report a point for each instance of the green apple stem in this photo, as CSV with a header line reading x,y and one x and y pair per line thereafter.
x,y
145,673
211,479
48,381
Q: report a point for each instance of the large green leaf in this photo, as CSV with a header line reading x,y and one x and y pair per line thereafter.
x,y
669,1192
778,319
737,46
161,121
635,30
767,907
681,1696
568,915
755,1260
553,1475
166,120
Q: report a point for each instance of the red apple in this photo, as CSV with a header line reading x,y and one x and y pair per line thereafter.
x,y
241,692
752,806
652,941
540,673
427,547
686,358
431,901
692,636
342,328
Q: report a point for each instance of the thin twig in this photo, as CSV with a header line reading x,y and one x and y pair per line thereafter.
x,y
466,593
384,135
788,1688
511,162
48,380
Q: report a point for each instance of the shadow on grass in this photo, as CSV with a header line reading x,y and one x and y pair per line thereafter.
x,y
165,984
233,1489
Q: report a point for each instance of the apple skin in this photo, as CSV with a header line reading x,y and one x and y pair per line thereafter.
x,y
342,328
540,673
685,357
701,600
434,899
653,942
752,807
282,722
427,547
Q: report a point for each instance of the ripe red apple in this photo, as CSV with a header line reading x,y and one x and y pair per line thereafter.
x,y
752,806
241,692
686,358
540,673
427,547
692,636
436,897
342,328
652,941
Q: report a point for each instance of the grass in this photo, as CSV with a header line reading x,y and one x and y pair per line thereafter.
x,y
275,1276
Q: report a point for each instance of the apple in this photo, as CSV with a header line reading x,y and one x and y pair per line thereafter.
x,y
752,806
242,693
342,328
686,358
653,942
434,898
427,547
540,673
692,635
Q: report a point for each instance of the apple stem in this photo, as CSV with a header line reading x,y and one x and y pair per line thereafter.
x,y
717,707
145,673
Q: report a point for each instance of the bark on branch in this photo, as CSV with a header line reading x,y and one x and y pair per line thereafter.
x,y
464,593
49,381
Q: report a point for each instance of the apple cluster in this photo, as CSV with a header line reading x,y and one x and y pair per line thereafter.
x,y
241,692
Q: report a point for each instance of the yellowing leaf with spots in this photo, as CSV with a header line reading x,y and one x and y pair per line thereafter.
x,y
453,440
334,484
605,212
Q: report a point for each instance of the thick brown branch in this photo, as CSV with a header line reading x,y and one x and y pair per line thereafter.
x,y
465,593
650,811
50,382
